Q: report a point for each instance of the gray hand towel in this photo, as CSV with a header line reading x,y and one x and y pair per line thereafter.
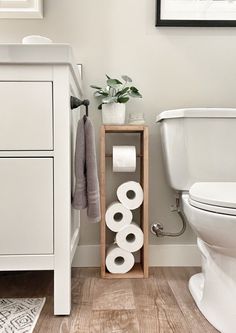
x,y
87,186
80,194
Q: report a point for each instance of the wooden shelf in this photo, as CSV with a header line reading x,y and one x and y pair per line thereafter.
x,y
124,128
135,273
140,270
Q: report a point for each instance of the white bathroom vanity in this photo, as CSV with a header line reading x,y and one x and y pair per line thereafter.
x,y
38,228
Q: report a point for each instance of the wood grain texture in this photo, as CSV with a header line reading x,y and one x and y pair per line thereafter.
x,y
103,199
113,294
145,206
178,281
117,321
158,304
124,128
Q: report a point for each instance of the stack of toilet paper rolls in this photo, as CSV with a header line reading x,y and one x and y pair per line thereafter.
x,y
129,236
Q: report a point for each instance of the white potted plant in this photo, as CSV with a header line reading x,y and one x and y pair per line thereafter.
x,y
114,98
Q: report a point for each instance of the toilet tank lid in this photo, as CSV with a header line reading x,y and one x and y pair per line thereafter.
x,y
197,113
221,194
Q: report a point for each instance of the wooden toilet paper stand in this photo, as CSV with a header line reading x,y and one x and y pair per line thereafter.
x,y
140,270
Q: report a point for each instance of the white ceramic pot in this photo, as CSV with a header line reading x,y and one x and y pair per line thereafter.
x,y
113,113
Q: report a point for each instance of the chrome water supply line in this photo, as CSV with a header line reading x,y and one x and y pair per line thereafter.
x,y
158,228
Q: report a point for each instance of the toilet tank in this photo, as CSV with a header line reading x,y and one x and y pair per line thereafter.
x,y
198,145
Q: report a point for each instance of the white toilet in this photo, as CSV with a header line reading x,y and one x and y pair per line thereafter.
x,y
199,147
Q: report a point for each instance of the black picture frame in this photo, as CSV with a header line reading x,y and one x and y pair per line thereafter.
x,y
189,23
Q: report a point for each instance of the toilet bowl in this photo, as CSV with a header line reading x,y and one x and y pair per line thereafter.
x,y
214,290
200,159
209,210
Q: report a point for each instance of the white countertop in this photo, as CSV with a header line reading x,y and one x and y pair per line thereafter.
x,y
39,54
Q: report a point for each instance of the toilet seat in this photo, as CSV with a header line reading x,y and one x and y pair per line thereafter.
x,y
214,197
212,208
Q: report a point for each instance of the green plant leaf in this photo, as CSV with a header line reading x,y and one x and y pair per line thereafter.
x,y
108,77
100,93
126,78
122,92
134,89
122,99
109,99
113,83
95,87
100,106
135,94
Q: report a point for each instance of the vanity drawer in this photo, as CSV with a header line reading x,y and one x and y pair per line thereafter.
x,y
26,206
26,116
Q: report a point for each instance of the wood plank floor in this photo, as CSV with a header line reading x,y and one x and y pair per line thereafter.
x,y
159,304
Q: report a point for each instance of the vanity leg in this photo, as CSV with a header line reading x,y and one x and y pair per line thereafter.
x,y
62,291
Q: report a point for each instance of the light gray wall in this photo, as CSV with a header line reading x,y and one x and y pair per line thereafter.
x,y
173,67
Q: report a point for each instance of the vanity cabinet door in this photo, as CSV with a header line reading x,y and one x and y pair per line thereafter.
x,y
26,206
26,116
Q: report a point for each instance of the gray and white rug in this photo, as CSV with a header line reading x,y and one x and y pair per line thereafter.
x,y
19,315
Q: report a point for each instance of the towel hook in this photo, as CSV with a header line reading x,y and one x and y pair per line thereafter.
x,y
76,102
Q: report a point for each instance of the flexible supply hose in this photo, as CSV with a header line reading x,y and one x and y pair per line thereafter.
x,y
158,229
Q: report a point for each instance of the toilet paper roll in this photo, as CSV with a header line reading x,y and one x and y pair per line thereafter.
x,y
119,260
130,238
117,216
124,158
130,194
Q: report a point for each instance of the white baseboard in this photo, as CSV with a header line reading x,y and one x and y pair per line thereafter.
x,y
174,255
159,255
